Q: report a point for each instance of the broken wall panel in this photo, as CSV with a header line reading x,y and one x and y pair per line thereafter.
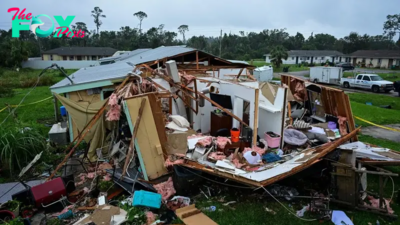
x,y
335,101
148,145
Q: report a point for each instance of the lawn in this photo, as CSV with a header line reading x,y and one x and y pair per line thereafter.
x,y
375,113
292,68
35,115
386,76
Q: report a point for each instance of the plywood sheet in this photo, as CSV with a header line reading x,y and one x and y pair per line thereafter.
x,y
147,141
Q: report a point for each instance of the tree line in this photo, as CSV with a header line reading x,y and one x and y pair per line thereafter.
x,y
242,46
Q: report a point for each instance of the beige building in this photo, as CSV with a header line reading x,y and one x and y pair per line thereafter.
x,y
77,53
384,59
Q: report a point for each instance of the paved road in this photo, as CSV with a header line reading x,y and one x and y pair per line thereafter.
x,y
381,133
302,74
357,70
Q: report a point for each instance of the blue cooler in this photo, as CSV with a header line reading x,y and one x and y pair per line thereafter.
x,y
147,199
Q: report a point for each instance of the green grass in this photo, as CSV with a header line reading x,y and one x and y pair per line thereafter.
x,y
374,113
386,76
37,115
292,68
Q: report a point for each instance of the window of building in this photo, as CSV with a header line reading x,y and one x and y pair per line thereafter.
x,y
292,58
308,58
65,58
71,58
51,57
316,58
379,61
322,58
79,58
93,57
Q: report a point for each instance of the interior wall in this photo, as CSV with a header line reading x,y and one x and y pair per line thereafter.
x,y
223,73
203,120
166,85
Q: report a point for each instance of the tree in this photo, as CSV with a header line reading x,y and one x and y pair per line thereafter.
x,y
97,13
277,54
182,29
140,15
392,26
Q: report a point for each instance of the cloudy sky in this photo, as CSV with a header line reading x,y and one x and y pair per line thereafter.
x,y
208,17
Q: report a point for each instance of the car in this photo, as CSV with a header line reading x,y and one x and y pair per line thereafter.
x,y
345,66
368,81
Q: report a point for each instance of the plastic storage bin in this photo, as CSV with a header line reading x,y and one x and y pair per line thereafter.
x,y
273,142
147,199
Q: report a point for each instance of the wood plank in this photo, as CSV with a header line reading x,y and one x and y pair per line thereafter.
x,y
158,116
240,73
255,125
197,59
147,139
134,134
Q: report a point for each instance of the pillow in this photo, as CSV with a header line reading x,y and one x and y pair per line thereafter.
x,y
180,121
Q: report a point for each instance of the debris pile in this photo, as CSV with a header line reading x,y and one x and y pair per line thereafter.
x,y
164,129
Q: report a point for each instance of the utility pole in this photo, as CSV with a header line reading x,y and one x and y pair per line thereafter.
x,y
220,44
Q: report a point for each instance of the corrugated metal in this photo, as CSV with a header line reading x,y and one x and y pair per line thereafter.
x,y
97,73
125,55
238,61
158,53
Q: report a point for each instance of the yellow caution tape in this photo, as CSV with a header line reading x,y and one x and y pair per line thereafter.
x,y
377,125
32,103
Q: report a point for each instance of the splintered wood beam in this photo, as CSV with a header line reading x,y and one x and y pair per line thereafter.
x,y
240,73
134,134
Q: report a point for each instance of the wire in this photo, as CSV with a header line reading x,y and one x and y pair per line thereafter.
x,y
10,189
23,99
393,189
310,220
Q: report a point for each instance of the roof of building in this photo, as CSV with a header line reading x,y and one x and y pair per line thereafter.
x,y
122,67
124,55
376,54
314,53
158,53
99,51
97,73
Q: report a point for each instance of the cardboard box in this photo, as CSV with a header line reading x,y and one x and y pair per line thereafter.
x,y
190,215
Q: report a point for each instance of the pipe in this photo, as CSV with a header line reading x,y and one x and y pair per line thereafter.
x,y
206,91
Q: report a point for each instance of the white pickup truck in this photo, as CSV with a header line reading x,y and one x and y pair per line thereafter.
x,y
368,81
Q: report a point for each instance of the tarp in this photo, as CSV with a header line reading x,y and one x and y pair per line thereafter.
x,y
81,113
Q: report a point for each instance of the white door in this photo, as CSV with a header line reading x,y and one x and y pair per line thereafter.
x,y
325,75
358,81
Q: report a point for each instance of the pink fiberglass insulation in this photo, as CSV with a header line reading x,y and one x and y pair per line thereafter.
x,y
151,217
114,112
173,160
217,155
342,125
237,163
107,177
204,142
259,150
222,141
166,189
375,203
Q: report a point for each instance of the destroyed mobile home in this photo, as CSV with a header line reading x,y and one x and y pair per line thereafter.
x,y
179,114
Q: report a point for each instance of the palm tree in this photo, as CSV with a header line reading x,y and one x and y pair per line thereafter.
x,y
182,29
277,54
140,15
97,13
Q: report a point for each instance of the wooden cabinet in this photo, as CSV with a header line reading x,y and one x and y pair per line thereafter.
x,y
220,121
